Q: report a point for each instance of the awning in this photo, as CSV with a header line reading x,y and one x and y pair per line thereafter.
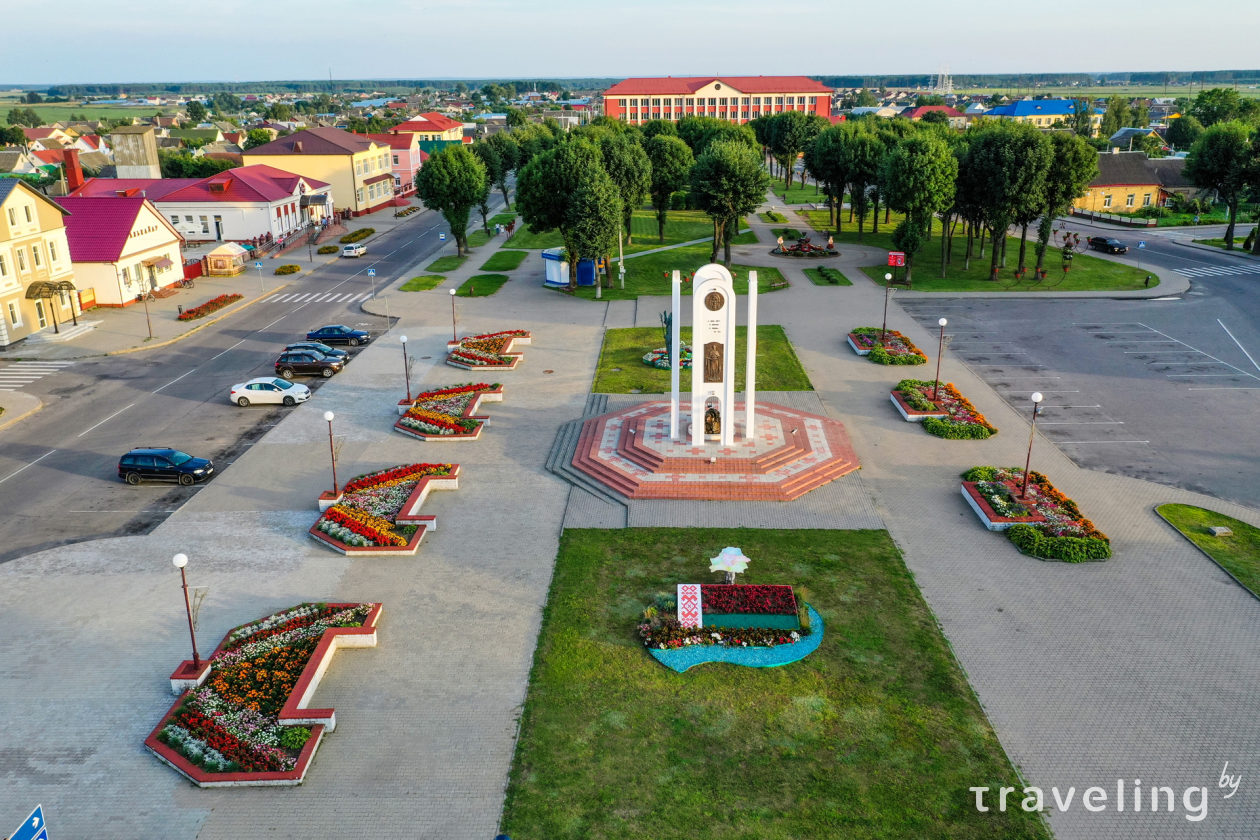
x,y
157,262
321,199
378,178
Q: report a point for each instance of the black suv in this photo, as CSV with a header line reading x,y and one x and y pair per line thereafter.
x,y
1111,246
306,363
332,352
162,464
339,334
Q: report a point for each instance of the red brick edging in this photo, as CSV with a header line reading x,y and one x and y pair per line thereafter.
x,y
474,405
407,516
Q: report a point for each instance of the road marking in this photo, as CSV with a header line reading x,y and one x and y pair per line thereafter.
x,y
278,320
1156,352
1184,375
1088,423
173,381
1083,442
1213,358
13,376
106,420
31,464
233,347
1223,389
1044,407
1239,343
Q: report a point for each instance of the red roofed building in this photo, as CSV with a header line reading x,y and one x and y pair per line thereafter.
x,y
433,131
956,119
407,158
735,98
121,247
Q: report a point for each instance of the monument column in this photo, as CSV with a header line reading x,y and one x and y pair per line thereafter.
x,y
712,355
675,356
750,368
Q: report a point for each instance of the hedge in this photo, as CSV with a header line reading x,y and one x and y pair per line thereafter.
x,y
357,235
880,356
1068,549
328,249
943,428
289,268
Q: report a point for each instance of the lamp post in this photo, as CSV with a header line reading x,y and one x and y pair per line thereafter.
x,y
939,350
332,450
180,561
145,301
406,367
887,290
1036,400
454,336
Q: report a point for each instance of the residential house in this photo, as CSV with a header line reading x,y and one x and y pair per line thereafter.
x,y
197,137
1128,181
39,139
956,119
1128,138
406,158
884,111
121,247
358,167
734,98
1043,113
33,251
16,161
135,151
433,131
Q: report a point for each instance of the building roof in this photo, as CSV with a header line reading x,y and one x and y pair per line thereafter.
x,y
1035,108
97,228
315,141
430,121
1123,135
152,188
918,111
691,84
131,129
9,160
93,140
403,140
1171,172
38,133
255,183
1124,169
385,176
195,133
9,185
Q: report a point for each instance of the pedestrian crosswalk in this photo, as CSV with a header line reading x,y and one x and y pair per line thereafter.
x,y
18,374
317,297
1218,270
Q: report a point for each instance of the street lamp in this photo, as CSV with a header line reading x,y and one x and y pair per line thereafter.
x,y
887,289
332,450
454,336
180,561
939,350
406,367
1036,400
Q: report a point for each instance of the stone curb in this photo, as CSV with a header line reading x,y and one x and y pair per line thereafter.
x,y
200,327
9,418
1214,250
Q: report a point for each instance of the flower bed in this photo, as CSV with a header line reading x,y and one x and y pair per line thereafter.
x,y
489,350
327,249
248,723
1046,524
212,305
659,358
449,413
377,513
950,416
895,349
289,268
747,598
357,235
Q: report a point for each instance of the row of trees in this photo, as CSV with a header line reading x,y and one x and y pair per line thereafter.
x,y
1226,159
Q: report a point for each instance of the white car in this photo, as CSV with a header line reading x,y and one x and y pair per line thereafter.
x,y
353,250
269,389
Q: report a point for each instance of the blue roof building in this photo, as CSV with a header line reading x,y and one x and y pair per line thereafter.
x,y
1042,113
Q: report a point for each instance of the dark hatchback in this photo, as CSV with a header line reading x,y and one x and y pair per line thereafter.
x,y
339,334
1111,246
163,464
306,363
332,352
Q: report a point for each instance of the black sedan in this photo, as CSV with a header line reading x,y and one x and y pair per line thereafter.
x,y
339,334
163,464
306,363
1111,246
331,352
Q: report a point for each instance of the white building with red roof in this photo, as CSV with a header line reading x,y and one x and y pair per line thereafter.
x,y
121,247
734,98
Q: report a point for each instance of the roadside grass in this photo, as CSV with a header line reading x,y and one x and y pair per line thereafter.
x,y
478,238
874,735
1239,553
809,194
1220,243
447,263
483,285
770,217
820,278
502,218
423,283
649,274
820,220
778,368
526,238
504,260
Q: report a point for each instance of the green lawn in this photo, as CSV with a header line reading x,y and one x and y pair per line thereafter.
x,y
504,261
820,220
1087,274
422,283
1238,553
816,277
680,226
647,275
798,194
874,735
478,238
482,285
502,218
61,111
447,263
778,368
772,218
1220,243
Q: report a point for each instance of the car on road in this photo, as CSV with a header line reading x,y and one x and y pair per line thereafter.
x,y
339,334
161,463
354,250
306,363
319,347
1106,243
269,389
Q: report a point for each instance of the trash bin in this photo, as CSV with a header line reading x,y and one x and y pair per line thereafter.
x,y
181,309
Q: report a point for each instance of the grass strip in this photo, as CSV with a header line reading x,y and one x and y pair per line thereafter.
x,y
1237,553
504,261
446,264
423,283
483,285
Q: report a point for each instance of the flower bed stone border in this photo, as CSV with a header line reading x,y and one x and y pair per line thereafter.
x,y
913,415
681,659
1028,533
914,357
952,417
992,520
294,712
470,413
408,515
509,345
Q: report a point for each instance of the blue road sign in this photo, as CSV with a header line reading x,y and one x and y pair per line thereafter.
x,y
1141,244
33,827
258,265
371,272
441,237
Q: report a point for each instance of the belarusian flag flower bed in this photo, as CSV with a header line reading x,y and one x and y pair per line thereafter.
x,y
1044,524
247,723
449,413
378,514
489,350
212,305
893,349
949,416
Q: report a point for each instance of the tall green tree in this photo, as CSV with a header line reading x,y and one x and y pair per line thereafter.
x,y
280,112
516,118
547,186
452,182
671,160
1215,106
23,116
1115,117
728,182
1073,164
1009,162
918,179
825,159
630,170
1219,160
489,157
1082,117
256,137
1139,114
226,103
652,128
597,212
790,131
1182,132
864,155
509,154
196,111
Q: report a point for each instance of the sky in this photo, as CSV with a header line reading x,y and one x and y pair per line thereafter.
x,y
248,40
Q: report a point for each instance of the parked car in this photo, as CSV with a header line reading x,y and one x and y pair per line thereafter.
x,y
306,363
339,334
1111,246
161,463
318,347
354,250
267,389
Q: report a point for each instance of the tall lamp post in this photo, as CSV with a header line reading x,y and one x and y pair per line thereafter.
x,y
1036,400
180,561
406,367
939,350
454,336
887,290
332,450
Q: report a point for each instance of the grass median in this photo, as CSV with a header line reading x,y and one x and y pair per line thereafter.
x,y
423,283
1238,553
446,264
650,274
504,261
1088,274
483,285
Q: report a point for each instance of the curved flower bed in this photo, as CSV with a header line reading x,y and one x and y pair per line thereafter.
x,y
1045,524
659,358
489,350
242,725
950,415
366,516
212,305
895,349
761,651
449,413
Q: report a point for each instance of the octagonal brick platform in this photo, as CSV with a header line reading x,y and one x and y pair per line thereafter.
x,y
793,452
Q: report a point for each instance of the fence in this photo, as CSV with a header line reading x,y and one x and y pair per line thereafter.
x,y
1112,218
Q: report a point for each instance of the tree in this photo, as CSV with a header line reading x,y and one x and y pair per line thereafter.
x,y
280,112
452,182
183,165
864,155
790,132
928,99
671,161
1219,160
918,179
515,118
597,212
256,137
1182,132
196,111
1215,106
728,183
32,98
12,135
546,188
1139,114
509,153
1082,120
226,103
630,170
1152,145
1073,164
936,118
825,157
1009,163
1115,118
489,157
654,127
865,99
23,116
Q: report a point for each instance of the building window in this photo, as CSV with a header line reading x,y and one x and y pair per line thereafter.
x,y
712,101
395,160
1128,201
65,301
656,103
12,217
39,313
126,277
205,225
27,208
35,255
677,103
722,101
1146,200
691,101
15,317
778,100
1106,201
21,258
4,269
175,220
358,195
634,102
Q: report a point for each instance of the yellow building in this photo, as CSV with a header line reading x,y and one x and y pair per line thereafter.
x,y
1043,113
33,252
1128,181
358,168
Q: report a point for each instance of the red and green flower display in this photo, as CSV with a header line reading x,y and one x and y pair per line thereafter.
x,y
365,516
747,598
892,349
963,421
1057,529
485,350
444,411
212,305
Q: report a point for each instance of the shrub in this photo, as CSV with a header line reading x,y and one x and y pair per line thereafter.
x,y
943,427
209,306
295,737
1068,549
678,200
288,269
357,235
981,474
328,249
881,356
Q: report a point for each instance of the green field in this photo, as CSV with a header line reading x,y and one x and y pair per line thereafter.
x,y
874,736
1145,91
649,274
1238,553
423,283
482,285
447,263
808,194
504,261
778,368
61,111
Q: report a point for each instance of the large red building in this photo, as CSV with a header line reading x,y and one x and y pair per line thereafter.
x,y
734,98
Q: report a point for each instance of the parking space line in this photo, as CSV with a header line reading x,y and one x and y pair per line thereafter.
x,y
1239,343
173,381
233,347
106,420
1223,389
1083,442
31,464
1213,358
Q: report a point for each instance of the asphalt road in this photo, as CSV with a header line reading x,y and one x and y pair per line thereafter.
x,y
58,469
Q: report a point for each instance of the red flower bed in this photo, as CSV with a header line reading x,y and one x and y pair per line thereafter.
x,y
227,744
212,305
376,535
396,474
747,598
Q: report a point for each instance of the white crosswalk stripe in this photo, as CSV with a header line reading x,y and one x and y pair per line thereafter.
x,y
1217,270
18,374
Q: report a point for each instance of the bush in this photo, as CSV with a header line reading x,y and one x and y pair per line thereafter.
x,y
882,357
678,201
980,474
1068,549
288,269
357,235
328,249
294,737
1153,212
943,427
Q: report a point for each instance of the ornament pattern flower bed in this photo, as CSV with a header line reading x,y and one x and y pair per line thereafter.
x,y
489,350
248,724
950,416
659,358
895,349
378,514
725,649
1046,524
449,414
212,305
